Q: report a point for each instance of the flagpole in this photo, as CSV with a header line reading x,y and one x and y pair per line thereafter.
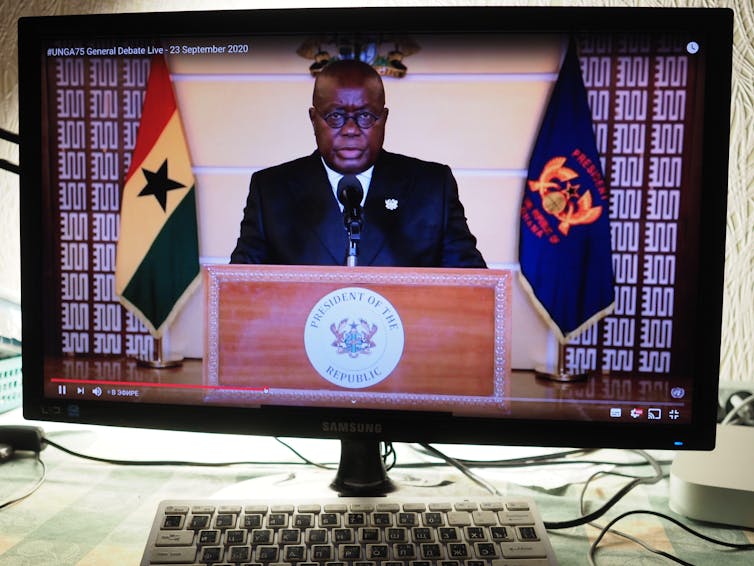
x,y
561,373
159,359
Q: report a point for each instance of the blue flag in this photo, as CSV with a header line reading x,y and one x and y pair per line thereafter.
x,y
564,243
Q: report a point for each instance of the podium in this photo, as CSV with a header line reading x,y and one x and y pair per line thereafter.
x,y
359,337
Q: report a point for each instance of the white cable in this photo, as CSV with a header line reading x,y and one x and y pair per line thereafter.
x,y
733,413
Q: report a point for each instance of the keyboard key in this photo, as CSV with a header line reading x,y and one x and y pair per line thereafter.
x,y
261,536
422,534
515,518
341,536
209,537
329,520
349,552
356,519
289,536
294,553
277,520
211,554
486,550
377,551
484,518
303,521
369,535
404,551
317,536
199,522
397,534
239,554
177,555
382,519
266,553
408,519
527,533
448,534
225,521
431,551
523,550
173,522
322,552
501,533
466,506
174,538
252,521
459,518
235,536
458,551
475,534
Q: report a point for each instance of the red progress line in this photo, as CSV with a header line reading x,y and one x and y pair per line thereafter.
x,y
147,384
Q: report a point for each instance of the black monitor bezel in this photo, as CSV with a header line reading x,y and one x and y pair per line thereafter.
x,y
716,25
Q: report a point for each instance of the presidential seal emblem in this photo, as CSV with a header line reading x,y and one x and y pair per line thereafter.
x,y
354,337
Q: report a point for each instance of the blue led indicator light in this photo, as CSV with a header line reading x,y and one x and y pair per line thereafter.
x,y
678,443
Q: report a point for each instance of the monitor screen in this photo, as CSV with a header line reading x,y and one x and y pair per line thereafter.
x,y
476,99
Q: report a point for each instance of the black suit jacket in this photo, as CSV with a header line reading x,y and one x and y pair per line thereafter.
x,y
292,218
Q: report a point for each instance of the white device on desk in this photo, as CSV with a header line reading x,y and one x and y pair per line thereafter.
x,y
717,486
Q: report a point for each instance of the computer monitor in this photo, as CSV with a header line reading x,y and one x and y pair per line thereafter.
x,y
467,87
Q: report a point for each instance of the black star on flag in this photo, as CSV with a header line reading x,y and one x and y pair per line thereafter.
x,y
158,184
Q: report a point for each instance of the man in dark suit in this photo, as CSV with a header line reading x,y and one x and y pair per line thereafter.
x,y
411,212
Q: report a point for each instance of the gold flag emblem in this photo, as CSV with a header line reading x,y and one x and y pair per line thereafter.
x,y
560,197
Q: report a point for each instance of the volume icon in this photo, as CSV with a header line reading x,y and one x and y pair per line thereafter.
x,y
97,391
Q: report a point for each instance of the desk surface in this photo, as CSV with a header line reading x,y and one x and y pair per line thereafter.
x,y
88,513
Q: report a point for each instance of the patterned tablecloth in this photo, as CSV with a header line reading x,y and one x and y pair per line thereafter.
x,y
94,514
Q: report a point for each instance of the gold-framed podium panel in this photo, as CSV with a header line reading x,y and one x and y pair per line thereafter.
x,y
454,354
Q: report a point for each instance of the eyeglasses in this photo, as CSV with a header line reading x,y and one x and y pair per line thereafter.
x,y
363,119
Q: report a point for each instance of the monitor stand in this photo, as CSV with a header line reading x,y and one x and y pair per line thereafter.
x,y
361,472
717,486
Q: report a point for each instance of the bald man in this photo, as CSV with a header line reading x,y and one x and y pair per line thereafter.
x,y
412,216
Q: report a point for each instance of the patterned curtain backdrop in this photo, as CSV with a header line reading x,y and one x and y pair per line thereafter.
x,y
93,109
642,94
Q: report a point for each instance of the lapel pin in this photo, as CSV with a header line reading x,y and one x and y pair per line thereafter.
x,y
391,203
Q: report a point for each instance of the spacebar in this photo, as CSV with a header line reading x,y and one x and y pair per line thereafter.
x,y
173,555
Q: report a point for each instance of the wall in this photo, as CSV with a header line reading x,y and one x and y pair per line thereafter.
x,y
738,352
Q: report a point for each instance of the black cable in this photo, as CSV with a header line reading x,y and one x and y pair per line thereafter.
x,y
594,515
389,456
732,545
165,462
627,536
303,458
508,462
554,459
550,459
462,468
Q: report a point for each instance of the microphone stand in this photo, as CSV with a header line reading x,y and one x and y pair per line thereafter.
x,y
350,194
353,228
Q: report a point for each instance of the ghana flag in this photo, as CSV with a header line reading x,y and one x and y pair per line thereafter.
x,y
564,244
157,264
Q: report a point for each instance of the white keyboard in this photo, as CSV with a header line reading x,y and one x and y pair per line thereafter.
x,y
485,531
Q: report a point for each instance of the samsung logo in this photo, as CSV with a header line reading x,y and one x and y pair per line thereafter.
x,y
348,426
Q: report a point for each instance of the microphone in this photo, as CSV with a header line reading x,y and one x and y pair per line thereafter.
x,y
350,194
